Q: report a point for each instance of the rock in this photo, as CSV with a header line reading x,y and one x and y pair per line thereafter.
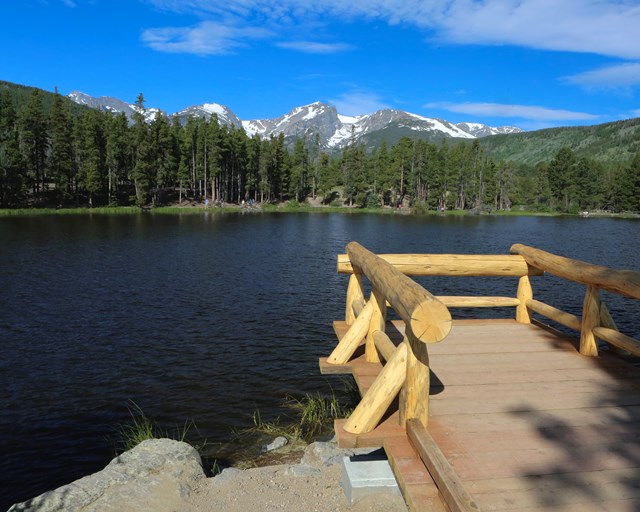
x,y
225,475
158,474
278,442
302,470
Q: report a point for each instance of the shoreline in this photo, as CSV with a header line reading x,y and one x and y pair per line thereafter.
x,y
167,475
196,208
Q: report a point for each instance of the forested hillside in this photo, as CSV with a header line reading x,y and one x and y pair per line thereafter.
x,y
609,143
56,153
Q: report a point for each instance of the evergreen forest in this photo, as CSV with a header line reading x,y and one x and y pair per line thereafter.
x,y
54,153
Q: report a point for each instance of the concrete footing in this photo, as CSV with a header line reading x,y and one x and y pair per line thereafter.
x,y
363,475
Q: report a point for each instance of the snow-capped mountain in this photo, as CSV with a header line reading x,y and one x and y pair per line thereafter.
x,y
482,130
225,114
336,131
321,120
317,118
112,105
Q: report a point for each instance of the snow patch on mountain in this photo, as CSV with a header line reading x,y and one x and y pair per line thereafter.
x,y
482,130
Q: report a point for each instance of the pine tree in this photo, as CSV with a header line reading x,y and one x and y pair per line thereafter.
x,y
12,179
62,159
34,143
92,170
118,154
142,171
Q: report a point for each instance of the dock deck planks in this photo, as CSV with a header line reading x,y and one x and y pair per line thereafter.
x,y
524,420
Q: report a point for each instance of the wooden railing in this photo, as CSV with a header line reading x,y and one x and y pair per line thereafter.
x,y
596,321
427,318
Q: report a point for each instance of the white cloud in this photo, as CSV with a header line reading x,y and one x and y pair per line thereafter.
x,y
69,3
315,47
635,113
205,38
621,75
513,111
356,103
604,27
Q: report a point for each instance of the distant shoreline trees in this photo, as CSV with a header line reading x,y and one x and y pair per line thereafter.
x,y
98,158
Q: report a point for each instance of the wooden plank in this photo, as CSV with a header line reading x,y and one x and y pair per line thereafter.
x,y
523,389
388,428
556,490
508,376
541,460
523,420
418,488
449,484
539,437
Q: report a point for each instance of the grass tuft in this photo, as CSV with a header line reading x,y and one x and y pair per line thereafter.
x,y
311,416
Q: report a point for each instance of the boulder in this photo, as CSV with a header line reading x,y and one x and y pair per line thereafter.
x,y
158,474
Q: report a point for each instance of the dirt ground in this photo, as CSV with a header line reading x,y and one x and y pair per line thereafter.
x,y
301,481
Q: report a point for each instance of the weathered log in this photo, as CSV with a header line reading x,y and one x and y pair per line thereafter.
x,y
357,307
382,392
414,396
618,339
353,337
623,282
450,265
590,320
557,315
383,343
354,294
524,294
477,302
377,323
428,318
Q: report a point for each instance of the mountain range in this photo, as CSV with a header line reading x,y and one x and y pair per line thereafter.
x,y
334,131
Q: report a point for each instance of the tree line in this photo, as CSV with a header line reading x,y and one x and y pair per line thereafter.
x,y
61,158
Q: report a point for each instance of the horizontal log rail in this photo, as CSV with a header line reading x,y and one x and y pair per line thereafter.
x,y
596,322
450,265
622,282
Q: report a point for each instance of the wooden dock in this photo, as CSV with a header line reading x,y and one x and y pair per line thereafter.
x,y
524,420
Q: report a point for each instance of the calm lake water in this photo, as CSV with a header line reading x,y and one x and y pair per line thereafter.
x,y
208,317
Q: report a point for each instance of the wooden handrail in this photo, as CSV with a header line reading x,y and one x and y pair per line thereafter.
x,y
623,282
428,318
450,265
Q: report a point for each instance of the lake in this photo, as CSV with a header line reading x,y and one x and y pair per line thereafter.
x,y
210,317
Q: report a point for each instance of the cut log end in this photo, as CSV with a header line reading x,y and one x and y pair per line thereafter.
x,y
431,321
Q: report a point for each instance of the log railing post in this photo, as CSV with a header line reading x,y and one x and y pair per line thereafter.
x,y
414,396
354,294
377,323
524,294
590,320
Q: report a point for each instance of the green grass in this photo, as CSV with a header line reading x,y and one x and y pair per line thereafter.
x,y
310,416
141,428
26,212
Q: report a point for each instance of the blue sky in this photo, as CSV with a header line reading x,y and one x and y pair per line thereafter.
x,y
527,63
